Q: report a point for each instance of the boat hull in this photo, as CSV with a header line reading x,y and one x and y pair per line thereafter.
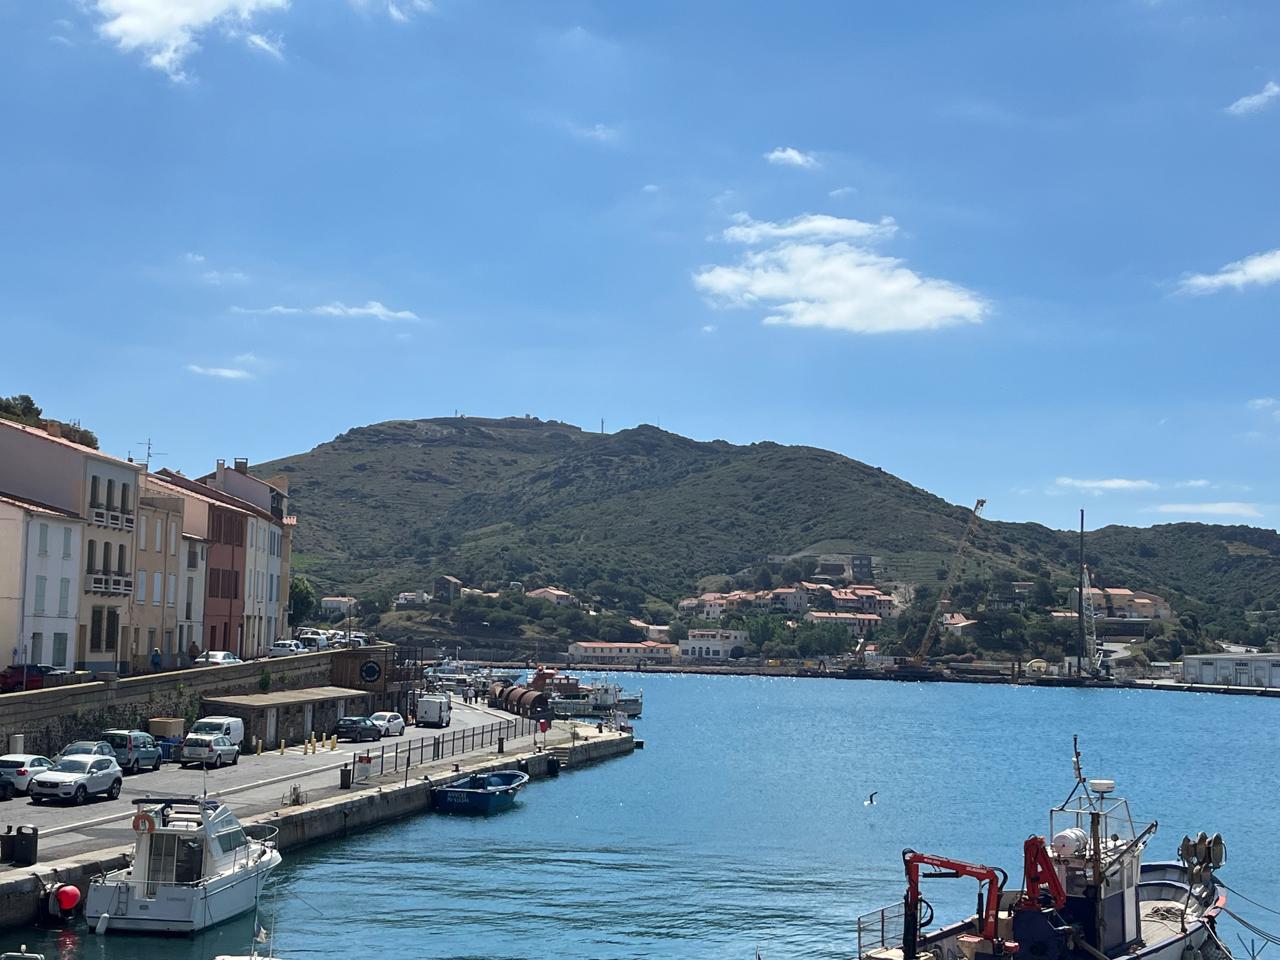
x,y
479,795
177,908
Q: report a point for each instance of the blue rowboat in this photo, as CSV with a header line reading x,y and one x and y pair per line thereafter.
x,y
479,793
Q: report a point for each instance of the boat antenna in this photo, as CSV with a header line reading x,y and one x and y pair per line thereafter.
x,y
1075,758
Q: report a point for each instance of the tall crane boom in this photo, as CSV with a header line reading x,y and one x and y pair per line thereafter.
x,y
944,596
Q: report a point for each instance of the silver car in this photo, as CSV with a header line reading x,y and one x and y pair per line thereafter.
x,y
134,750
208,751
77,778
97,748
17,769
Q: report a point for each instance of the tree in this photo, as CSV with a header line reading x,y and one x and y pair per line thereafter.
x,y
1042,594
791,572
678,633
763,579
302,599
20,408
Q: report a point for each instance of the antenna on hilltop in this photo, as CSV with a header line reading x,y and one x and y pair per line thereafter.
x,y
602,424
150,452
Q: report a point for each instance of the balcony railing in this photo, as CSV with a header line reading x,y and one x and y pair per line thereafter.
x,y
111,518
98,583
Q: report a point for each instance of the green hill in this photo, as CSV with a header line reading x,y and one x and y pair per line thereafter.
x,y
387,506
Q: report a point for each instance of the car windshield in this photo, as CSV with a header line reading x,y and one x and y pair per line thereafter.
x,y
198,741
81,746
116,739
352,720
71,766
212,728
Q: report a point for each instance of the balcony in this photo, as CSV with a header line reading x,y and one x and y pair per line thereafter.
x,y
113,519
114,586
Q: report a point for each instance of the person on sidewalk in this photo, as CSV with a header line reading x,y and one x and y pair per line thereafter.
x,y
156,660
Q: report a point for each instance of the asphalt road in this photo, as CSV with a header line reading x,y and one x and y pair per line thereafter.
x,y
254,785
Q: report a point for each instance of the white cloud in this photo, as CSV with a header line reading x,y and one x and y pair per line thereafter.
x,y
807,226
247,358
1233,508
708,328
1114,484
372,309
791,157
165,31
598,132
401,11
1255,101
1193,483
1263,403
193,257
840,193
218,278
1261,269
222,373
837,285
272,48
650,188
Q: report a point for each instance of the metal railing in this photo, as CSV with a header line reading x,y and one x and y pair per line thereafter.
x,y
880,929
445,745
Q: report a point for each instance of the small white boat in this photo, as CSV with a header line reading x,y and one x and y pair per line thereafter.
x,y
194,866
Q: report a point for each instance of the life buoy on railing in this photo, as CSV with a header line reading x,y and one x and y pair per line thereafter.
x,y
144,823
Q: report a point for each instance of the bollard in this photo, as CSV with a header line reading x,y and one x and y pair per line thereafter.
x,y
259,746
282,748
333,742
501,743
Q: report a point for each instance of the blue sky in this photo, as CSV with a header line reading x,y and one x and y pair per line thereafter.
x,y
1023,251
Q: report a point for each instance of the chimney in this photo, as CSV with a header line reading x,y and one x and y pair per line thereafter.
x,y
242,465
222,465
53,428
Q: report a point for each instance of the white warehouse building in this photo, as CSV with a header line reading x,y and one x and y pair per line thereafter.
x,y
1233,669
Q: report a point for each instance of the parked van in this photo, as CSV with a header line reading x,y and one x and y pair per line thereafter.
x,y
232,727
434,710
134,749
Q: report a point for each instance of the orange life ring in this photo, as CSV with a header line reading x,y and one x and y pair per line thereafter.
x,y
144,823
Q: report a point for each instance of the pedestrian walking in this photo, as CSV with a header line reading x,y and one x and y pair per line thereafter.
x,y
156,660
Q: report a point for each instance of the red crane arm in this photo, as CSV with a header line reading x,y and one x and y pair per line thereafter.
x,y
958,868
1038,871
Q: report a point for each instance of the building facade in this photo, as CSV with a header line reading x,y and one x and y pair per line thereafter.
x,y
1233,669
40,582
159,561
194,553
712,644
639,651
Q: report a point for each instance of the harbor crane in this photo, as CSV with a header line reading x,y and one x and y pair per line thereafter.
x,y
944,595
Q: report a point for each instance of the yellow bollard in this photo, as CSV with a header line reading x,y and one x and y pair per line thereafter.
x,y
333,742
259,748
282,748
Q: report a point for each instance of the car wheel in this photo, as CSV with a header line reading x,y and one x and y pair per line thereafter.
x,y
235,758
155,767
81,795
217,761
113,791
36,801
133,767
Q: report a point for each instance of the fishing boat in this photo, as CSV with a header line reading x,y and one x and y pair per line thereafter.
x,y
194,865
479,793
570,697
1086,895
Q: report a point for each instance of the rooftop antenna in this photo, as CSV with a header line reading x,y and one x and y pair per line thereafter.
x,y
147,443
602,424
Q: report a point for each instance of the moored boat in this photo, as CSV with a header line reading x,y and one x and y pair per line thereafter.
x,y
194,865
479,793
1087,895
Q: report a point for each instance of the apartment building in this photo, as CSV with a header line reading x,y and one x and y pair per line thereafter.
x,y
45,468
40,582
159,565
194,555
712,644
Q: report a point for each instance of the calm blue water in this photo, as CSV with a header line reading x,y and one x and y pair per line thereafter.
x,y
742,823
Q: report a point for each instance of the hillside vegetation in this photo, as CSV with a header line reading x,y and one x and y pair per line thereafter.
x,y
385,507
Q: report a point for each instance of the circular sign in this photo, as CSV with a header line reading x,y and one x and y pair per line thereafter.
x,y
371,671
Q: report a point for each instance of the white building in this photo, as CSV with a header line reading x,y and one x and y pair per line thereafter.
x,y
1233,669
857,624
40,581
712,644
332,605
561,598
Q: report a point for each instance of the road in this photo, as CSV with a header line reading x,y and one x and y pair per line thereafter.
x,y
254,785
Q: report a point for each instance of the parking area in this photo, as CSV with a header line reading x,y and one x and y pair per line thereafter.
x,y
255,784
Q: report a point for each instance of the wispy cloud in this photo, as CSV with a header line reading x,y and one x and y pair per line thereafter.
x,y
708,328
839,193
221,373
820,271
399,11
1261,269
1195,484
650,188
219,278
1112,485
596,132
193,257
1263,403
372,309
272,48
1225,508
791,157
1255,101
165,32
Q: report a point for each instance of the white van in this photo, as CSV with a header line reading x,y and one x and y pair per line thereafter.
x,y
232,727
434,710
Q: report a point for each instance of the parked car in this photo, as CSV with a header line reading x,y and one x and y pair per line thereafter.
x,y
97,748
434,710
286,648
357,729
77,778
134,749
232,727
391,724
208,751
313,639
30,676
17,769
217,658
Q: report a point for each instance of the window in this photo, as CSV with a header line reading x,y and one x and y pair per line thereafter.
x,y
111,494
37,648
96,627
159,534
157,584
59,658
142,532
170,589
211,575
142,586
66,543
191,584
173,539
120,564
91,556
124,498
193,557
40,588
64,597
106,559
44,540
94,500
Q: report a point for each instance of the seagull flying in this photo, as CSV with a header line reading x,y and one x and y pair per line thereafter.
x,y
870,801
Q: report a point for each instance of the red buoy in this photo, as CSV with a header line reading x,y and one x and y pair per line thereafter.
x,y
68,897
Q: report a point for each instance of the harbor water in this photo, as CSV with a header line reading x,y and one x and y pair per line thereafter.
x,y
744,823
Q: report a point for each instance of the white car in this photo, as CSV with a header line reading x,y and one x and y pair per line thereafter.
x,y
208,751
77,778
392,724
217,658
286,648
17,769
